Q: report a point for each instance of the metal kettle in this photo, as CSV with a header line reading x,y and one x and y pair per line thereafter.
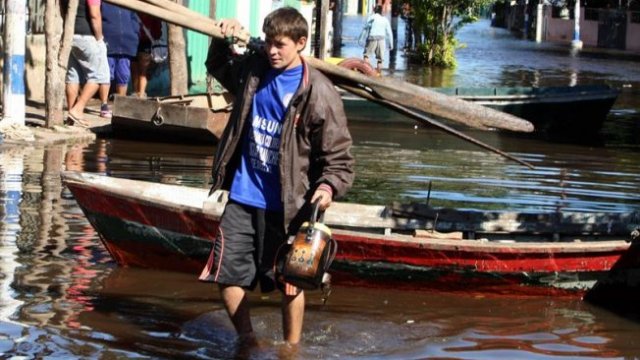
x,y
311,253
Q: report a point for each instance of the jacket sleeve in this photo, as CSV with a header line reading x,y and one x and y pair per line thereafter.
x,y
224,65
335,144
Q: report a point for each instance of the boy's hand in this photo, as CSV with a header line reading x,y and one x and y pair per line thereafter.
x,y
324,196
231,28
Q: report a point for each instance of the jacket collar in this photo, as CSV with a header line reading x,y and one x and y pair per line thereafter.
x,y
305,72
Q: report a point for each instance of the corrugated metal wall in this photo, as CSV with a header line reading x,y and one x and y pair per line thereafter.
x,y
197,46
251,13
226,9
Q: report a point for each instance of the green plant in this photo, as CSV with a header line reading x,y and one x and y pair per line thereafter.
x,y
437,22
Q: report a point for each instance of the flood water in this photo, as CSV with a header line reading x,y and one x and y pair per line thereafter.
x,y
61,295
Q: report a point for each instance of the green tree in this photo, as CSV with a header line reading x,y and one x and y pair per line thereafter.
x,y
437,22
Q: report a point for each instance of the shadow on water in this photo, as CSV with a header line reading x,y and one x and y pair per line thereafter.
x,y
619,293
133,312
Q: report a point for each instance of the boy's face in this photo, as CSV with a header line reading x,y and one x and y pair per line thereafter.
x,y
283,52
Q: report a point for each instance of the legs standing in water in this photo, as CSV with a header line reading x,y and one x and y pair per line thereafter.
x,y
243,255
292,317
237,306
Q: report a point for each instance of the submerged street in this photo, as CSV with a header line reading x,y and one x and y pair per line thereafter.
x,y
62,296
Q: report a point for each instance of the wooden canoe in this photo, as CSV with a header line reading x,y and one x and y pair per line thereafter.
x,y
172,227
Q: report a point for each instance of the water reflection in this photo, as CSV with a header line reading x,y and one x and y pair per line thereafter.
x,y
63,289
132,307
566,176
37,225
62,294
10,194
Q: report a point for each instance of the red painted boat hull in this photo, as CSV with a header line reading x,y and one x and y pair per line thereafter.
x,y
146,234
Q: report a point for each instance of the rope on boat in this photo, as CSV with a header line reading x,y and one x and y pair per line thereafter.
x,y
16,132
635,235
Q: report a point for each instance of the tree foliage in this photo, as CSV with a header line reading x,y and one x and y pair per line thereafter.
x,y
437,22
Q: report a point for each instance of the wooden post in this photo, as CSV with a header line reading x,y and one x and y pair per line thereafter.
x,y
212,9
177,59
576,43
322,7
58,39
337,27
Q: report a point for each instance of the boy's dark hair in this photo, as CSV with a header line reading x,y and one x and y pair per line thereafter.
x,y
377,9
285,21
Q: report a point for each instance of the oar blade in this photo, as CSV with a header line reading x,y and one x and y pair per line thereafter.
x,y
425,100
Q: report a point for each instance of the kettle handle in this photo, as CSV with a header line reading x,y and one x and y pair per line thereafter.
x,y
316,214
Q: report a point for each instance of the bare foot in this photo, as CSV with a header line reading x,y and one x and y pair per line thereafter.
x,y
75,120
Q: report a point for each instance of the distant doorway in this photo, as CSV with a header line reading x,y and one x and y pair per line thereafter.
x,y
612,29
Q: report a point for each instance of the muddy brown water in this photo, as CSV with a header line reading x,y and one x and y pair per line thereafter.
x,y
61,295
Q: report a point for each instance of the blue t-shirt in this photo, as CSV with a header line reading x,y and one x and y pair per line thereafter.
x,y
257,179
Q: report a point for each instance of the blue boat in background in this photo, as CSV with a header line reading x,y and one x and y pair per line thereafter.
x,y
563,111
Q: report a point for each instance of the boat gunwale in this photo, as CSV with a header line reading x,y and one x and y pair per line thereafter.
x,y
366,234
80,179
489,246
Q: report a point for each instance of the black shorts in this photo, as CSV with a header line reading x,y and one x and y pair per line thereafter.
x,y
245,249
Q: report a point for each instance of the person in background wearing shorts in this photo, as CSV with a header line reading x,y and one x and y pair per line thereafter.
x,y
121,28
286,147
379,31
150,30
87,61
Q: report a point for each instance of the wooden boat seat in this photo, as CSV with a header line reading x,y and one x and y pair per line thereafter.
x,y
558,223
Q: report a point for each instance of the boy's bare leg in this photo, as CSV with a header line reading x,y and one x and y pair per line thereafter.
x,y
237,305
292,317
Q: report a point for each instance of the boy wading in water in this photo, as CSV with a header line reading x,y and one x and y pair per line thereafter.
x,y
286,145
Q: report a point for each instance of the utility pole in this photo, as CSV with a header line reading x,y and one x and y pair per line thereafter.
x,y
337,27
525,33
13,99
576,43
539,20
177,58
322,12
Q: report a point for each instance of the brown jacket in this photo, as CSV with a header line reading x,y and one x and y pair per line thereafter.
x,y
315,144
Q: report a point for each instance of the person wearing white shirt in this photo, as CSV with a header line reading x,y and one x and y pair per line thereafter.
x,y
378,32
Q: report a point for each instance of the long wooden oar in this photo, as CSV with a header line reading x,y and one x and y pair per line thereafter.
x,y
392,90
424,119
